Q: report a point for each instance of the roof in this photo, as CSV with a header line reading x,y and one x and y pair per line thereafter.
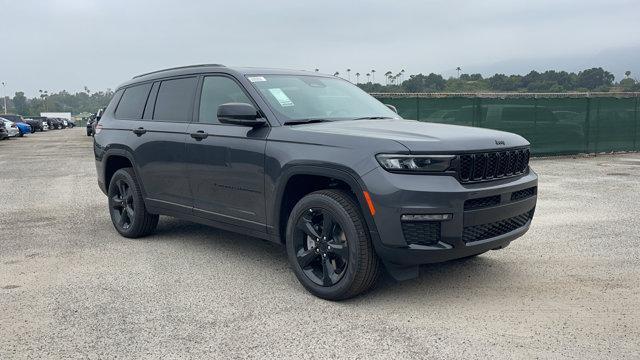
x,y
203,68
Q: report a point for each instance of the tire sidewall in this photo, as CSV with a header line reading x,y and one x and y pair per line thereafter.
x,y
344,220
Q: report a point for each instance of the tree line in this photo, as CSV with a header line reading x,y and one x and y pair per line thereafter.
x,y
594,79
80,102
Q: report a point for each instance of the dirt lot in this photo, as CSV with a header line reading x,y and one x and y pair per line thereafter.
x,y
71,287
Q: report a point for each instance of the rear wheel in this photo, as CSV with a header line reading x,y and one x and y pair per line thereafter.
x,y
126,206
329,247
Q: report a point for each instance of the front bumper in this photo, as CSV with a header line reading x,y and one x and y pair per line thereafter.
x,y
468,232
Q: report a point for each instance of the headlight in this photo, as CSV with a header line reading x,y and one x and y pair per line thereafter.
x,y
415,163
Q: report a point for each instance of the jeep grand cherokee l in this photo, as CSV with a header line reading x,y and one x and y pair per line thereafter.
x,y
314,163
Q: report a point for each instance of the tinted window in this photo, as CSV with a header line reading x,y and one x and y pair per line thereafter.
x,y
131,105
148,109
175,100
218,90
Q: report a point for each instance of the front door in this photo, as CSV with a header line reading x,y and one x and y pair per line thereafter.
x,y
226,164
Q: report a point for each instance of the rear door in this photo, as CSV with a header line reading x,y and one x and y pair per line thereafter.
x,y
226,168
160,142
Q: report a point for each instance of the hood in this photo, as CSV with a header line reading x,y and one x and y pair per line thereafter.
x,y
422,136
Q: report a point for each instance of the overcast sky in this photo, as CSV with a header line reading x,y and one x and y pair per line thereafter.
x,y
67,44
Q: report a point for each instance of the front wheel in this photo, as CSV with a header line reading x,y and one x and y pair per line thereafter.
x,y
126,206
329,247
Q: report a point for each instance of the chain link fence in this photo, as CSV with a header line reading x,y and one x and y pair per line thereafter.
x,y
554,123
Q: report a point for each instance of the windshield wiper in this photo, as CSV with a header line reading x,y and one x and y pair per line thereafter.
x,y
306,121
372,118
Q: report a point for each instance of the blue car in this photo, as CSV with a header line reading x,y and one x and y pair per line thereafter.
x,y
24,128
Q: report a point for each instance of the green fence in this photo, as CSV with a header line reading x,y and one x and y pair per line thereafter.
x,y
553,123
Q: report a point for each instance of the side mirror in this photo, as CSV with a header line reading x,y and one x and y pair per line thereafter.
x,y
239,114
393,108
99,114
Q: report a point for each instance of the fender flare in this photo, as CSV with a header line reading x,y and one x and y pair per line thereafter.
x,y
341,173
121,153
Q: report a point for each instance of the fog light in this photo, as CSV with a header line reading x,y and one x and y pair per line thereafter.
x,y
426,217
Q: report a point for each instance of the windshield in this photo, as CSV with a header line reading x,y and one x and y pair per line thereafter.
x,y
302,97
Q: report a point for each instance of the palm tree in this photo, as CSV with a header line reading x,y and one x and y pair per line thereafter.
x,y
458,69
387,75
627,73
373,75
349,74
357,78
368,77
401,76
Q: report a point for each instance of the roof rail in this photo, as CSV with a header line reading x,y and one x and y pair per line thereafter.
x,y
176,68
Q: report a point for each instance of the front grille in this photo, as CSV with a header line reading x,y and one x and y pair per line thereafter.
x,y
421,232
473,204
523,194
492,165
494,229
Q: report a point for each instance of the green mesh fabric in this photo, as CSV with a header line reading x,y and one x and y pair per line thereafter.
x,y
554,125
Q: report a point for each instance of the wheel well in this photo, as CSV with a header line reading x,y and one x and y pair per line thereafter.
x,y
299,186
114,163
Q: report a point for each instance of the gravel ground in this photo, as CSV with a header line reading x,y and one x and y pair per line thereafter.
x,y
71,287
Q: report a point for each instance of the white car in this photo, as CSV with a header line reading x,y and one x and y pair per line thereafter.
x,y
12,128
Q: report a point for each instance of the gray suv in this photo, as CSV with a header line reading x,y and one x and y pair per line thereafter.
x,y
314,163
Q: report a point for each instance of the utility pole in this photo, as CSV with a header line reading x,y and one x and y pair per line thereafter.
x,y
4,96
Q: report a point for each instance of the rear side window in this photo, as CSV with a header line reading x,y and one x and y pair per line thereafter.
x,y
175,100
132,103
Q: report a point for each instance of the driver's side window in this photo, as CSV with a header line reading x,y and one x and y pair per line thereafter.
x,y
218,90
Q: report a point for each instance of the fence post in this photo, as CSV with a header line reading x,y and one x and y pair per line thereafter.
x,y
635,124
535,121
587,125
417,107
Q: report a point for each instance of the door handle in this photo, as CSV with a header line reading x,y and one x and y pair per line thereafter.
x,y
199,135
139,131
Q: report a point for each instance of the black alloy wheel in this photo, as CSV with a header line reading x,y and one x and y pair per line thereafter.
x,y
329,246
126,206
321,247
122,204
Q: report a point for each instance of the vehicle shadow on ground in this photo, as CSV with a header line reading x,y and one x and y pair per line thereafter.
x,y
442,281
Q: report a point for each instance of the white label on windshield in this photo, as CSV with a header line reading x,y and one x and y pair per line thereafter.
x,y
282,98
256,78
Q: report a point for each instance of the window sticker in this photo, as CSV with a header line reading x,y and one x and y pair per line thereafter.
x,y
282,98
256,78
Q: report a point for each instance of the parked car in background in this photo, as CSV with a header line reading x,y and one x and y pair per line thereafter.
x,y
3,131
42,121
23,128
90,121
63,123
54,124
71,124
35,124
12,128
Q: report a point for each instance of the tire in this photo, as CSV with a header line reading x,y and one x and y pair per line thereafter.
x,y
33,130
21,134
126,206
349,274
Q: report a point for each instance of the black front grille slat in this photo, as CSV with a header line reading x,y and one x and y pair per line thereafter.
x,y
523,194
421,232
489,201
492,165
495,229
